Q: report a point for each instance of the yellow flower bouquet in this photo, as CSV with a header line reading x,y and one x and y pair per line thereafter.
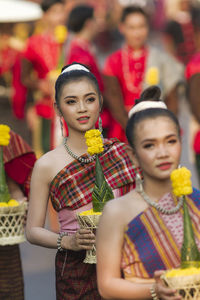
x,y
186,279
102,192
12,212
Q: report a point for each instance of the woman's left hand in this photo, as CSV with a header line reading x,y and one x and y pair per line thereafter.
x,y
162,291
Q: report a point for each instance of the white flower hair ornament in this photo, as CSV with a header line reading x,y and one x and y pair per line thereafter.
x,y
75,67
146,105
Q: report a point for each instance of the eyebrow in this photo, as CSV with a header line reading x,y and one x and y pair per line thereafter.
x,y
86,95
152,140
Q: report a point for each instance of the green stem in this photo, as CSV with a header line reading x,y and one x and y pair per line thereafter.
x,y
4,193
190,256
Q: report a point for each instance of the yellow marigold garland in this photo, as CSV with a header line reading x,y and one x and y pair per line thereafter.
x,y
94,141
4,135
182,272
181,182
89,213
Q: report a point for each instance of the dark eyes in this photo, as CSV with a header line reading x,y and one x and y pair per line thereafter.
x,y
172,141
146,146
151,145
70,101
91,99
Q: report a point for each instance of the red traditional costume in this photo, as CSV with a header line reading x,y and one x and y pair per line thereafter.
x,y
131,72
43,51
19,160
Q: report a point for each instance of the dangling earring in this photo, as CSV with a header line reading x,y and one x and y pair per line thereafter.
x,y
61,126
138,183
100,125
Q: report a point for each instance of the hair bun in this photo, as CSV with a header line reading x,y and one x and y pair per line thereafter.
x,y
151,93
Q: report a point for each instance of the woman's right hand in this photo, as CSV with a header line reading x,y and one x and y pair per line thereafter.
x,y
83,239
162,291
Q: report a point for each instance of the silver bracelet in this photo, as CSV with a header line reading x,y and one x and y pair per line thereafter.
x,y
153,292
61,234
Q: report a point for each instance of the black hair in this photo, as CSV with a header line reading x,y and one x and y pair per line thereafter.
x,y
132,9
78,16
74,75
46,4
152,93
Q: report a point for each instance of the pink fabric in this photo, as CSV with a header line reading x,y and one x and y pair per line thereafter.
x,y
67,218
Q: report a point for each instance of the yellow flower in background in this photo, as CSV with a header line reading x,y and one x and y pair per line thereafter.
x,y
53,74
4,135
181,182
152,76
60,33
94,141
182,272
89,213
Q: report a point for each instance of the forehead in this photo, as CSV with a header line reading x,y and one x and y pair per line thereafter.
x,y
154,128
135,18
79,85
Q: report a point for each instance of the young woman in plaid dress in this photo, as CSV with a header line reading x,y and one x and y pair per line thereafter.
x,y
66,176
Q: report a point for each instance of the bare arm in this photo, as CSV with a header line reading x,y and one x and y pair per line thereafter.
x,y
109,246
114,100
31,81
35,229
193,95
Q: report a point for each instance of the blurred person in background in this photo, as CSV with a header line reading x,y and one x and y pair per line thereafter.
x,y
42,55
14,30
182,30
42,60
83,26
136,65
192,74
19,160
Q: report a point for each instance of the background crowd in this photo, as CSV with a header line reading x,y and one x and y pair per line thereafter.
x,y
127,48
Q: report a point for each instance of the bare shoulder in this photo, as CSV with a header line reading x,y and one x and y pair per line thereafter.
x,y
124,208
45,165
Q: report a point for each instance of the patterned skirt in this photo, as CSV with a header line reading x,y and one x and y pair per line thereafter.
x,y
11,277
75,280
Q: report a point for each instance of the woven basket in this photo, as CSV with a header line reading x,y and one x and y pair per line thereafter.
x,y
89,222
187,286
12,220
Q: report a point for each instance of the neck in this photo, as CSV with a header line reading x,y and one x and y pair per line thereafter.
x,y
156,190
84,35
76,142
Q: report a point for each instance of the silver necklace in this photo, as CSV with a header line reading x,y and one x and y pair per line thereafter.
x,y
80,159
158,207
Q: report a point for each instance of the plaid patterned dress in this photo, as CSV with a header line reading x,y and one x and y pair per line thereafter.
x,y
72,188
153,240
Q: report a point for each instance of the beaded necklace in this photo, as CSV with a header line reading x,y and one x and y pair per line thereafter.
x,y
157,206
75,156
